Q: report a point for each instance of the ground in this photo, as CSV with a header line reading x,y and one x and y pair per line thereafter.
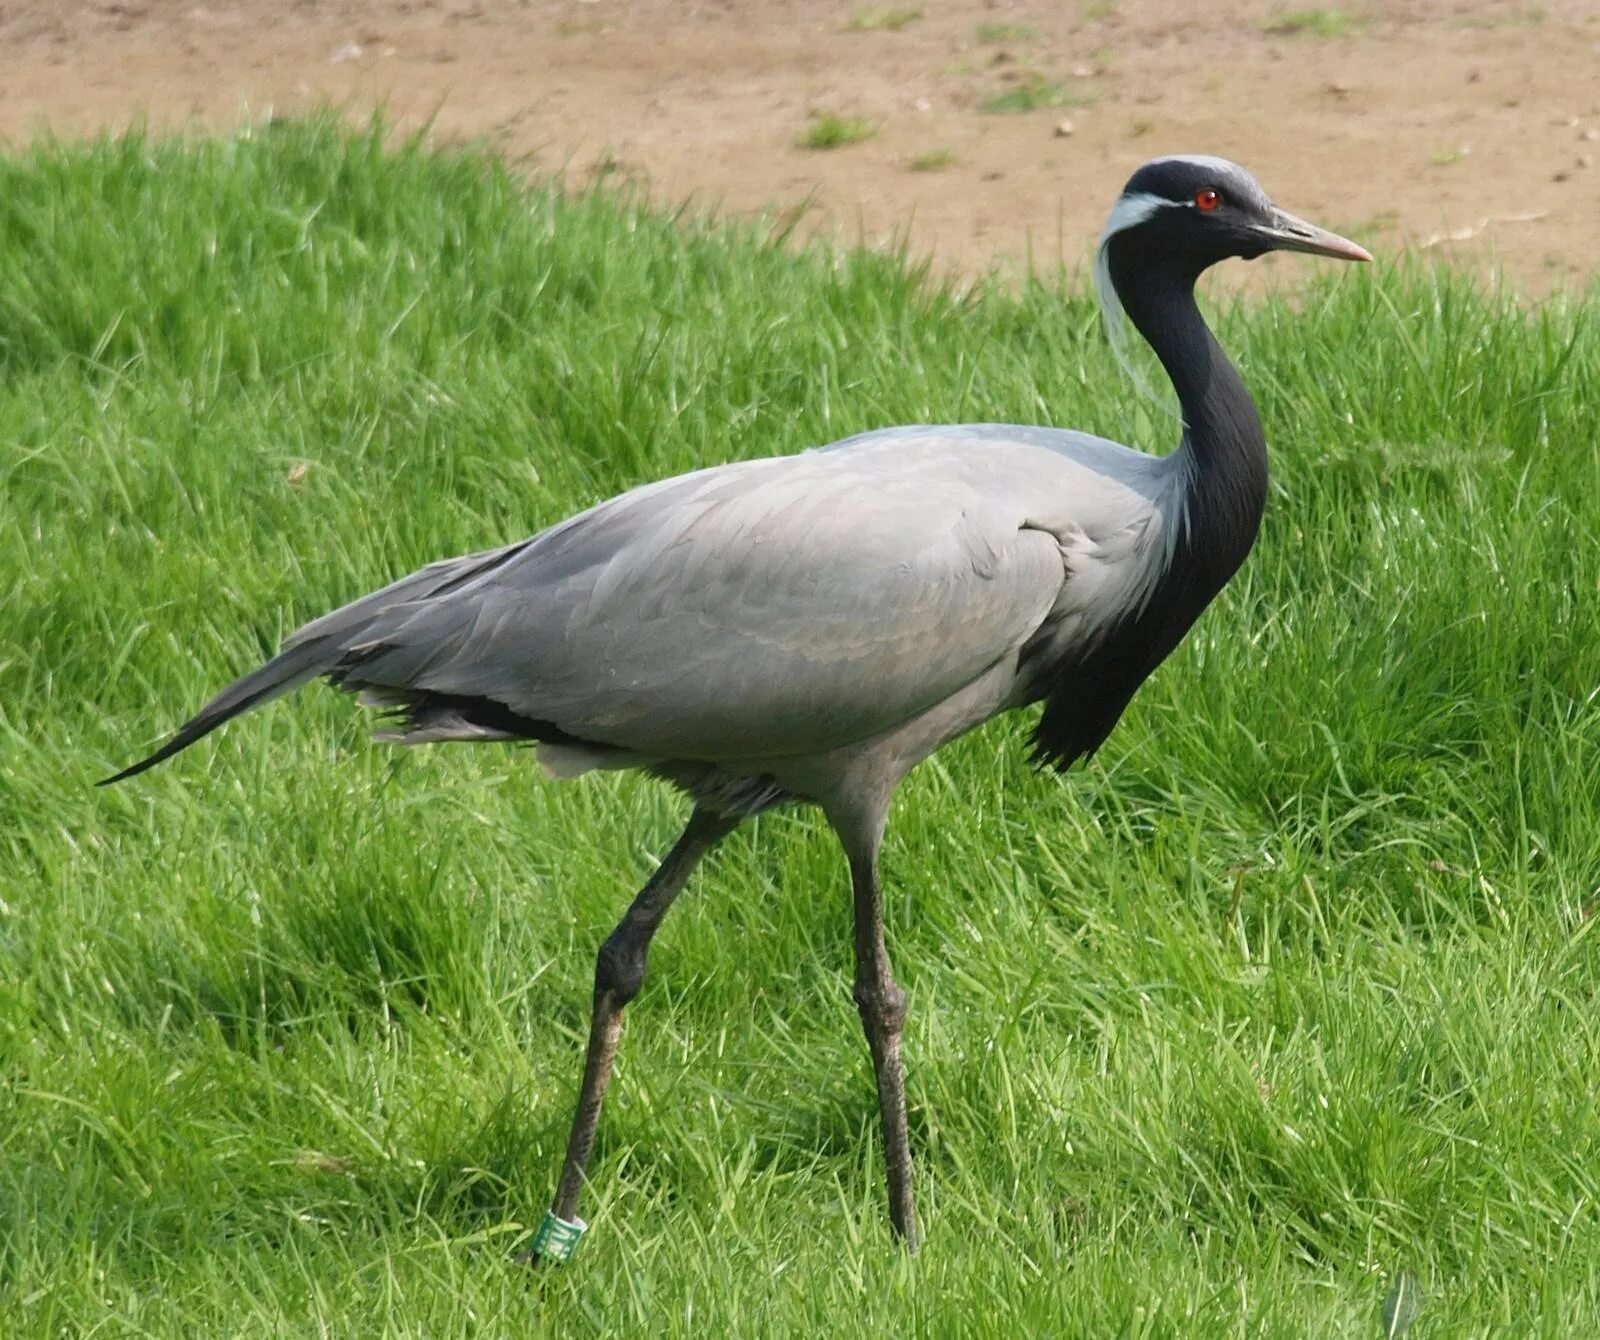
x,y
1466,129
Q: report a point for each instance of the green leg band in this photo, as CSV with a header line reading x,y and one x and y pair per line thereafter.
x,y
558,1239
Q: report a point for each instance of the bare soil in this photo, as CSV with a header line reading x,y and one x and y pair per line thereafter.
x,y
1469,130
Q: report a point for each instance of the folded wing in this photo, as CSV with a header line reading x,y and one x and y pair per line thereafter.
x,y
766,609
763,609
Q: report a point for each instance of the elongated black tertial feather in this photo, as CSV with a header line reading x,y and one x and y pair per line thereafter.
x,y
283,672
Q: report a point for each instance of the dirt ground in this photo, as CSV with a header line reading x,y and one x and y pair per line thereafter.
x,y
1469,129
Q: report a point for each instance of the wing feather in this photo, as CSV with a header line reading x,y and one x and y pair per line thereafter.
x,y
765,609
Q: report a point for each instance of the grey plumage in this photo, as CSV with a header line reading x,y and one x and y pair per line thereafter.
x,y
760,616
810,627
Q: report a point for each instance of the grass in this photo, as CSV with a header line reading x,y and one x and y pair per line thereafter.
x,y
1031,93
882,18
1325,23
997,32
829,130
933,160
1293,989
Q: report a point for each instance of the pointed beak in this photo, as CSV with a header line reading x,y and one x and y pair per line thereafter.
x,y
1287,233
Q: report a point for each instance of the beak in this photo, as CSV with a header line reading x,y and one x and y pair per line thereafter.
x,y
1287,233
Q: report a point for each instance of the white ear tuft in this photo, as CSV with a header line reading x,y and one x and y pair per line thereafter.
x,y
1129,211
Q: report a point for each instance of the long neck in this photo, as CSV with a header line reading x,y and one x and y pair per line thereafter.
x,y
1224,450
1223,468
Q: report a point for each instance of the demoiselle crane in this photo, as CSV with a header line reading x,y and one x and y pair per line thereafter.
x,y
810,627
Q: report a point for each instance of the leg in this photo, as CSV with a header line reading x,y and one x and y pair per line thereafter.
x,y
618,975
883,1013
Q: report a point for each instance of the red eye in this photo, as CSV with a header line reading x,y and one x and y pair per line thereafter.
x,y
1207,200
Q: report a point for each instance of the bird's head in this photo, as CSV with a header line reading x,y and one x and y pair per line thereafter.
x,y
1176,217
1191,211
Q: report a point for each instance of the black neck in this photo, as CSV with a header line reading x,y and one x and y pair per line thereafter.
x,y
1223,439
1223,461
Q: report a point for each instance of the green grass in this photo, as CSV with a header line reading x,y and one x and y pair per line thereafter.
x,y
998,32
1294,988
829,130
933,160
1326,23
882,18
1031,93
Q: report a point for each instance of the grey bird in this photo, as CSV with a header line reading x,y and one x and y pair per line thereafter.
x,y
808,628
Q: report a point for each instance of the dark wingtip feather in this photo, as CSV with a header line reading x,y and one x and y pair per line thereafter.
x,y
278,676
182,740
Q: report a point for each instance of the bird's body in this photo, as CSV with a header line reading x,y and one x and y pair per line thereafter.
x,y
759,629
810,627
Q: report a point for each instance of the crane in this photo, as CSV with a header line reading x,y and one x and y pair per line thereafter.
x,y
808,628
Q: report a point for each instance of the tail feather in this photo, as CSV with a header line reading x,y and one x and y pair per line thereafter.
x,y
333,646
288,670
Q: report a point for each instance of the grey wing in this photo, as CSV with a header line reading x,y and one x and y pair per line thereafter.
x,y
771,607
765,609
